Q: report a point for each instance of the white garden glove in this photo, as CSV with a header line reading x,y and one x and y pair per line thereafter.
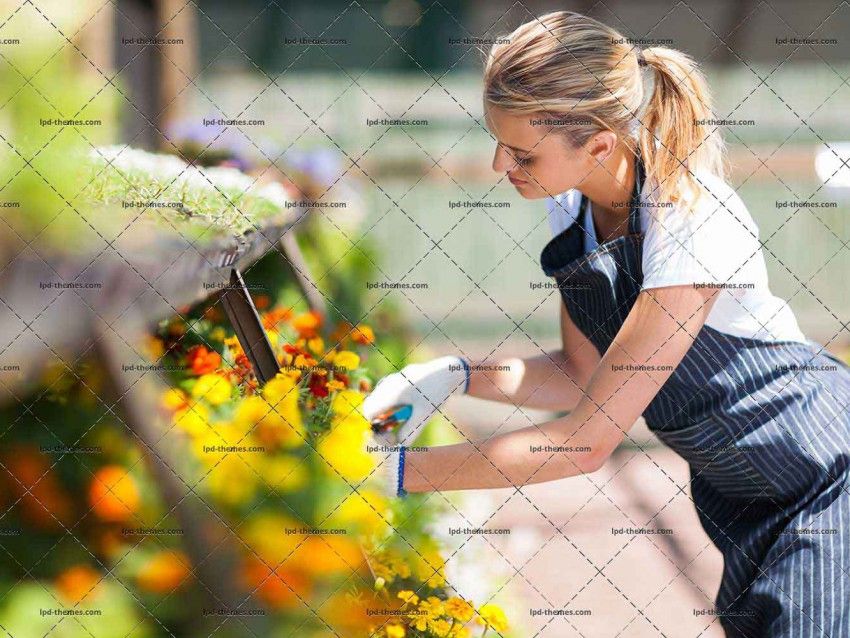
x,y
423,386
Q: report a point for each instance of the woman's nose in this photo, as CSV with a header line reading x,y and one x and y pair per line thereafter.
x,y
502,161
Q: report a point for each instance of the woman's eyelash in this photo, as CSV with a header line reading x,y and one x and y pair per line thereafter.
x,y
524,161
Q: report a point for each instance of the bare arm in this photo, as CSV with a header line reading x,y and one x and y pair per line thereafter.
x,y
551,381
657,333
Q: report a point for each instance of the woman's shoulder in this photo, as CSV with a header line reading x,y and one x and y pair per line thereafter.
x,y
717,197
715,210
713,240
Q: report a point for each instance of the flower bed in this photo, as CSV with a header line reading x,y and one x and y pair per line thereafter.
x,y
309,470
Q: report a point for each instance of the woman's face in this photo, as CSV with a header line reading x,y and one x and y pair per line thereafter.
x,y
537,159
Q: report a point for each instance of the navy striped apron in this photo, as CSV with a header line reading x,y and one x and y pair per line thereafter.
x,y
765,429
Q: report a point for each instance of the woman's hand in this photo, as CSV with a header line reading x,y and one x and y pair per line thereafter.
x,y
423,386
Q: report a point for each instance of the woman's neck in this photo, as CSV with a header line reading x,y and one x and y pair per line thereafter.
x,y
610,186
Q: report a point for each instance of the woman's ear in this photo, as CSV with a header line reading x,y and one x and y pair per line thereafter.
x,y
601,145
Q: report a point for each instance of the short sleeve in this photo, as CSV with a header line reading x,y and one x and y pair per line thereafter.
x,y
715,243
563,211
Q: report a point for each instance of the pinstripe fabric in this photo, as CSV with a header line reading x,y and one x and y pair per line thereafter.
x,y
766,432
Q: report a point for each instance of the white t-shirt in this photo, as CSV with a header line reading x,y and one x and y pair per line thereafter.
x,y
715,243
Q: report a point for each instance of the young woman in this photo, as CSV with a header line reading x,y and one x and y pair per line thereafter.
x,y
666,314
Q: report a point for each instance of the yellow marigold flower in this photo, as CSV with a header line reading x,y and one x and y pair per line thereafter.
x,y
232,481
368,512
316,345
355,422
344,450
266,534
214,435
294,375
346,359
250,410
408,597
212,388
389,565
273,422
284,473
459,609
440,626
419,622
274,337
275,418
431,567
195,420
429,610
492,616
346,402
395,631
173,399
279,388
218,334
432,606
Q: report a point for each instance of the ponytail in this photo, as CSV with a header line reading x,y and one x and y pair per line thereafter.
x,y
676,135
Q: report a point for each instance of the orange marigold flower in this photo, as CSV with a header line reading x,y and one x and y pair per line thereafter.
x,y
280,588
113,494
290,349
307,324
305,361
335,386
341,333
77,583
164,572
262,302
44,502
203,361
277,316
363,335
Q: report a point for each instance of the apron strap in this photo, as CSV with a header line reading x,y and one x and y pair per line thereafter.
x,y
634,209
582,213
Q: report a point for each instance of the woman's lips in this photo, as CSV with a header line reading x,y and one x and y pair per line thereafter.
x,y
517,182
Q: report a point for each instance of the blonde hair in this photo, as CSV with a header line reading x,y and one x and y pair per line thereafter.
x,y
579,71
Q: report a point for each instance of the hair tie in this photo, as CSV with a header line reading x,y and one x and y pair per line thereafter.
x,y
640,59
